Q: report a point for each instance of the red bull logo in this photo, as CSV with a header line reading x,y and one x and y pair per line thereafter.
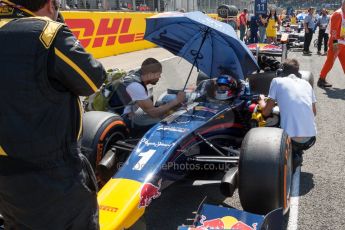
x,y
148,193
264,47
226,222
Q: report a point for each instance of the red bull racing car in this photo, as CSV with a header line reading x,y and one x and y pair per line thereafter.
x,y
256,152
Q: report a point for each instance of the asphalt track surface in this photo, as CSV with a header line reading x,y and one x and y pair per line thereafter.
x,y
318,202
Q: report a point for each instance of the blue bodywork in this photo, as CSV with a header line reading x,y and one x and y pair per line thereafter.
x,y
164,144
215,217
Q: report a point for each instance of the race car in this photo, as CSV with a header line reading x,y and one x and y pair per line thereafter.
x,y
215,217
295,35
134,170
204,132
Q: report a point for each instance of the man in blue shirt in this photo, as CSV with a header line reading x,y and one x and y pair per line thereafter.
x,y
322,23
309,25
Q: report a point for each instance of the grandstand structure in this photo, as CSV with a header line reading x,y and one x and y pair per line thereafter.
x,y
209,6
304,4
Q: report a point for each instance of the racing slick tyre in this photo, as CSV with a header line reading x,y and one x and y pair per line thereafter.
x,y
308,76
265,170
100,131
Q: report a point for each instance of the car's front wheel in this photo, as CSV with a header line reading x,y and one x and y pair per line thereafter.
x,y
265,170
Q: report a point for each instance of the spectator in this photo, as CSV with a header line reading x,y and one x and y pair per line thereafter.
x,y
322,23
45,181
254,27
243,23
262,27
336,44
293,19
296,100
309,25
272,26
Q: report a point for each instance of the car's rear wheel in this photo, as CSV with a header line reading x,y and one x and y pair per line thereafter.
x,y
265,170
101,130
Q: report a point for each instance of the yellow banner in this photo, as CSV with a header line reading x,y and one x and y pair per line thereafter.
x,y
108,33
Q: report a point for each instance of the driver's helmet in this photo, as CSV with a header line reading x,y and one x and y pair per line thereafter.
x,y
226,87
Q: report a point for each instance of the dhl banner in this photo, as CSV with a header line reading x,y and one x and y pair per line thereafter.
x,y
108,33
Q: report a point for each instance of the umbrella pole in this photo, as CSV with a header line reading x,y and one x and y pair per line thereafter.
x,y
196,58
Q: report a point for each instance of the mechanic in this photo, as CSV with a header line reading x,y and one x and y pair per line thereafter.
x,y
142,113
336,44
243,23
272,26
296,100
322,23
309,25
45,182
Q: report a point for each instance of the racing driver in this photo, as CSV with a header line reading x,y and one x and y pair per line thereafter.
x,y
45,183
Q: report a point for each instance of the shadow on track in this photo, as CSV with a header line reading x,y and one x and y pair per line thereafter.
x,y
335,93
307,183
178,202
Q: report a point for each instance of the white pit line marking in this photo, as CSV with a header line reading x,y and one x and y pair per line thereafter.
x,y
293,216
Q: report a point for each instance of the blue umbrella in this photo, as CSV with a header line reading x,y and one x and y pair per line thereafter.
x,y
210,45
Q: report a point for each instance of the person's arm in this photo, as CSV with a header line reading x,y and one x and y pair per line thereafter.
x,y
266,107
313,99
335,25
263,20
305,24
148,107
73,67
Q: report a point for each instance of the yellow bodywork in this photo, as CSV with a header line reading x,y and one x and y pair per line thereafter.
x,y
258,117
119,203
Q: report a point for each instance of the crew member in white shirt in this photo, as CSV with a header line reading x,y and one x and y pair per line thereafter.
x,y
296,100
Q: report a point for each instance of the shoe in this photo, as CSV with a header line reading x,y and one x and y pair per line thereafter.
x,y
324,54
306,53
322,83
318,53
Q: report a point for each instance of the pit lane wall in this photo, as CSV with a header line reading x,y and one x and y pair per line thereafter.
x,y
109,33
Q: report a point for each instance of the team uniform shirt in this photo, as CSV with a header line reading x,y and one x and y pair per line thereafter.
x,y
138,93
337,27
309,20
323,21
295,97
243,19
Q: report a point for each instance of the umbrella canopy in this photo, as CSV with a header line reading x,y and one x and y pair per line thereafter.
x,y
210,45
